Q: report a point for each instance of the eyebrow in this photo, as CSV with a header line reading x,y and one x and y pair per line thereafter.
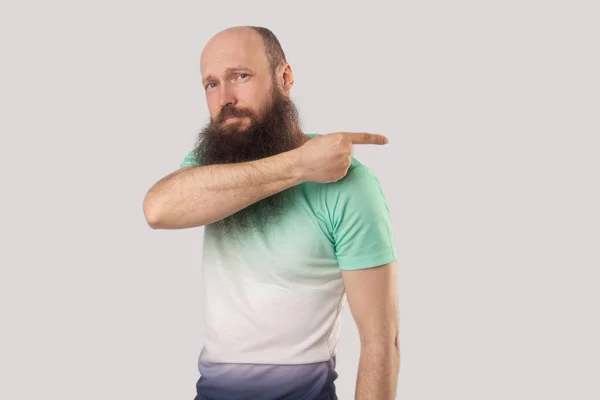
x,y
227,71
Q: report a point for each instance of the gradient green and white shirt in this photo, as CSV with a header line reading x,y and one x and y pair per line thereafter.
x,y
275,297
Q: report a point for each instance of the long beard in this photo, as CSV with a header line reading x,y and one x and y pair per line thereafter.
x,y
277,131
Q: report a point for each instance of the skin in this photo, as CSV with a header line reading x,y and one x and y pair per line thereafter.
x,y
235,69
373,300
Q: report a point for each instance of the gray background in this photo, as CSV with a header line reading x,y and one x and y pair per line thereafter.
x,y
491,173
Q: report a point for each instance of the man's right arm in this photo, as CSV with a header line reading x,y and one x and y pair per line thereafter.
x,y
196,196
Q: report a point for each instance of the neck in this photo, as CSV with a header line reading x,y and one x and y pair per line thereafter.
x,y
301,138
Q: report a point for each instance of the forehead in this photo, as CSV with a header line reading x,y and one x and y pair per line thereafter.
x,y
233,49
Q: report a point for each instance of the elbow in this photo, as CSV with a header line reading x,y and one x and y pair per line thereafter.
x,y
389,346
151,212
159,215
378,343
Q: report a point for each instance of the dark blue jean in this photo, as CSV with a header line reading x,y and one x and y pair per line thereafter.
x,y
244,382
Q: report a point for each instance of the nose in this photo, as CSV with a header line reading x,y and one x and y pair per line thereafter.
x,y
227,96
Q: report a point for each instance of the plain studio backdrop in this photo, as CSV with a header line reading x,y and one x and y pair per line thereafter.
x,y
491,175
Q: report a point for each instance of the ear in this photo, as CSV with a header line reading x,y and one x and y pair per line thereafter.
x,y
287,77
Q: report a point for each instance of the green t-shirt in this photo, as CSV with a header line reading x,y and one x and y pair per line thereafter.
x,y
275,296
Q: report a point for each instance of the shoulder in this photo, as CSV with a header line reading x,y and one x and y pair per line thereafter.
x,y
190,160
360,190
359,176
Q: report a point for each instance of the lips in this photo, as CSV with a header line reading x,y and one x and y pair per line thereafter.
x,y
230,118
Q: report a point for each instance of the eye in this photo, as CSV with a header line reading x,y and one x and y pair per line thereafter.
x,y
208,85
242,74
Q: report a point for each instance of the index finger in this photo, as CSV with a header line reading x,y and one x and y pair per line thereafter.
x,y
366,138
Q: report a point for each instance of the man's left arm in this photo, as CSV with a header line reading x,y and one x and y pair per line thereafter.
x,y
372,295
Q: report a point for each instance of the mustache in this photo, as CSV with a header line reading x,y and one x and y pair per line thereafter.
x,y
231,111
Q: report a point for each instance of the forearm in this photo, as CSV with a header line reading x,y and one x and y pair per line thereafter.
x,y
378,370
206,194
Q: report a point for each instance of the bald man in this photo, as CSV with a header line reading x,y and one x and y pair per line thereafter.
x,y
295,226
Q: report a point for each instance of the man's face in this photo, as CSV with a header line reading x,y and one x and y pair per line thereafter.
x,y
235,70
264,124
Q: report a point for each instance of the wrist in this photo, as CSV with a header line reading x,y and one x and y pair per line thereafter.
x,y
295,166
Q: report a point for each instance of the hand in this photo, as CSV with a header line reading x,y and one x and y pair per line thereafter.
x,y
327,158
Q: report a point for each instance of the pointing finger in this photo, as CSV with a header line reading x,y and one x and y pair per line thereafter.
x,y
366,138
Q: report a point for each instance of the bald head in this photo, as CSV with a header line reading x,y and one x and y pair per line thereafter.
x,y
254,38
237,44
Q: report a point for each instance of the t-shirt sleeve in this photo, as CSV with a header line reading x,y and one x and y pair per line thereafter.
x,y
189,160
361,221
